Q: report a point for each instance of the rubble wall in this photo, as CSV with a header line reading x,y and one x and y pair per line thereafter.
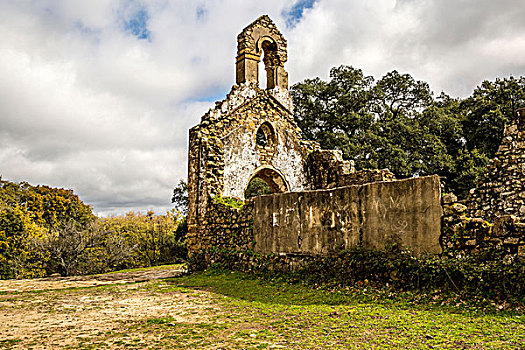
x,y
462,234
502,190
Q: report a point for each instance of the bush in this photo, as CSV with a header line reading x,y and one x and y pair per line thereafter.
x,y
46,230
115,243
468,276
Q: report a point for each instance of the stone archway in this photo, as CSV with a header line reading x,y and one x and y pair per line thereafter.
x,y
275,181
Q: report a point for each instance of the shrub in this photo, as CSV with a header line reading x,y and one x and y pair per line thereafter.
x,y
469,276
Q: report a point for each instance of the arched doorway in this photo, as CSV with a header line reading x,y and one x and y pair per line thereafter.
x,y
265,181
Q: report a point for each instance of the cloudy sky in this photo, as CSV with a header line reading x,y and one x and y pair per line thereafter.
x,y
98,96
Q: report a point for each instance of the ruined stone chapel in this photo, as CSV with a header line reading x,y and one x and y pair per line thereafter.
x,y
320,204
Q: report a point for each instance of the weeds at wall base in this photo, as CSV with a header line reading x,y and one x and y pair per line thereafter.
x,y
469,282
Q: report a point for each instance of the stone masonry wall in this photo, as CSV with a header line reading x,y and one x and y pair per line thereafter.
x,y
228,228
461,234
327,169
252,133
502,190
291,229
492,219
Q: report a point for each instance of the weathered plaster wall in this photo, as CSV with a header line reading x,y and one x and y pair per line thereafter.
x,y
405,212
242,157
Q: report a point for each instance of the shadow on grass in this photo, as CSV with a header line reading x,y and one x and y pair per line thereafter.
x,y
243,286
246,287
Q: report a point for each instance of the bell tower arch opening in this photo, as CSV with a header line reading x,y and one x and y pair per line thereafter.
x,y
262,39
265,135
267,49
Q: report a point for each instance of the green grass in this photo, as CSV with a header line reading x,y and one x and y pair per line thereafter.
x,y
259,314
232,310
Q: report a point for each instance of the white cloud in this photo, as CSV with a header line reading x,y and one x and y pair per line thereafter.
x,y
450,44
86,104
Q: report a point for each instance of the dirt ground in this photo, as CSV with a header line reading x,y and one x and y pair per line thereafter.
x,y
55,313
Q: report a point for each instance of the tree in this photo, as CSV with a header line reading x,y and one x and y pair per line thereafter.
x,y
18,259
397,123
180,196
377,124
257,187
490,107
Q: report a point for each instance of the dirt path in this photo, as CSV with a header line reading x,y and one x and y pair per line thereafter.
x,y
57,313
86,281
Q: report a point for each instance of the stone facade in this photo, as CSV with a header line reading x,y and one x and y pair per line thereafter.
x,y
492,219
502,190
262,38
249,134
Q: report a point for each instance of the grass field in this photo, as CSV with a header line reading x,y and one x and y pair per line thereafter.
x,y
224,310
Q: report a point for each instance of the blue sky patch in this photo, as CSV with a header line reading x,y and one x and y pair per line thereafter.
x,y
214,93
137,24
294,14
201,13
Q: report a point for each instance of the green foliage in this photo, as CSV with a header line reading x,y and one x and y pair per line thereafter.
x,y
180,196
465,277
491,105
47,230
257,187
471,165
396,123
12,241
52,208
116,243
138,240
229,202
27,214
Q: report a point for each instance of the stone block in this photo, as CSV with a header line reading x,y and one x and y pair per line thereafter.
x,y
459,208
449,198
512,240
521,251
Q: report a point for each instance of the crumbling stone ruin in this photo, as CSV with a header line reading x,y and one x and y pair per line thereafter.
x,y
252,134
502,191
320,205
249,134
493,216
